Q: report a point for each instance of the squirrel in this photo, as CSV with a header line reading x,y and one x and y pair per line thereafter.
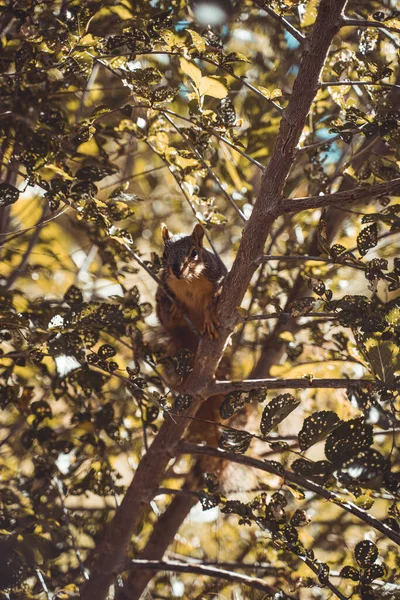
x,y
191,282
186,298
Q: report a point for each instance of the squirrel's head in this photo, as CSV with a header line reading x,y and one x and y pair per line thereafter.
x,y
183,254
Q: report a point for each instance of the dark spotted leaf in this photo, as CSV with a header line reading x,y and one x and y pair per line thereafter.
x,y
235,441
311,469
317,286
347,440
182,402
301,307
300,518
289,534
323,572
73,296
365,466
232,403
106,351
211,483
367,238
373,572
323,242
8,194
317,427
276,411
182,362
275,466
350,573
367,593
209,501
164,94
93,173
226,112
366,553
41,410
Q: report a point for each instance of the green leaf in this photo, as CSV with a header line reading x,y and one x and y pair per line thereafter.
x,y
276,411
317,427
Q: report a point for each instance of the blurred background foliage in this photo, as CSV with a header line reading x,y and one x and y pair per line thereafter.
x,y
115,117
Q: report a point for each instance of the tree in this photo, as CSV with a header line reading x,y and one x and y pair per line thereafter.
x,y
277,131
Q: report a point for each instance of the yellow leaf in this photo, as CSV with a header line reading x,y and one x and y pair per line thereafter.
x,y
264,91
211,86
191,71
276,93
197,40
59,171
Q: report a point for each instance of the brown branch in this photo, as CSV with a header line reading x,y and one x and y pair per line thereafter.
x,y
205,570
388,188
161,537
305,258
330,140
285,316
366,23
273,383
290,476
110,553
376,84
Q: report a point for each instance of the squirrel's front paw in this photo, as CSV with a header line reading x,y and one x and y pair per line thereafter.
x,y
211,324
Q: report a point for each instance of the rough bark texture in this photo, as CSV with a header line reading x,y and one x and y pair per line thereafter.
x,y
161,537
111,552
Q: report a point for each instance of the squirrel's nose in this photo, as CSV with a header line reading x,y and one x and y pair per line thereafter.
x,y
176,268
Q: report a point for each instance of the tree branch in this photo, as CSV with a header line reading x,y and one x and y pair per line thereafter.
x,y
378,84
205,570
273,383
290,476
330,140
305,258
388,188
366,23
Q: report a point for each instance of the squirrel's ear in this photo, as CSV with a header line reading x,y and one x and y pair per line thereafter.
x,y
198,234
164,232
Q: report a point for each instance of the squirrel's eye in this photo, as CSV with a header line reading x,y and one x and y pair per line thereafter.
x,y
194,253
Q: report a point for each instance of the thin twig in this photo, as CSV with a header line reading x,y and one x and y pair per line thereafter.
x,y
388,188
274,383
366,23
305,258
378,84
205,570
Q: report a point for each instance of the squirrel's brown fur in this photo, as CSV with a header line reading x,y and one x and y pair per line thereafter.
x,y
185,302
